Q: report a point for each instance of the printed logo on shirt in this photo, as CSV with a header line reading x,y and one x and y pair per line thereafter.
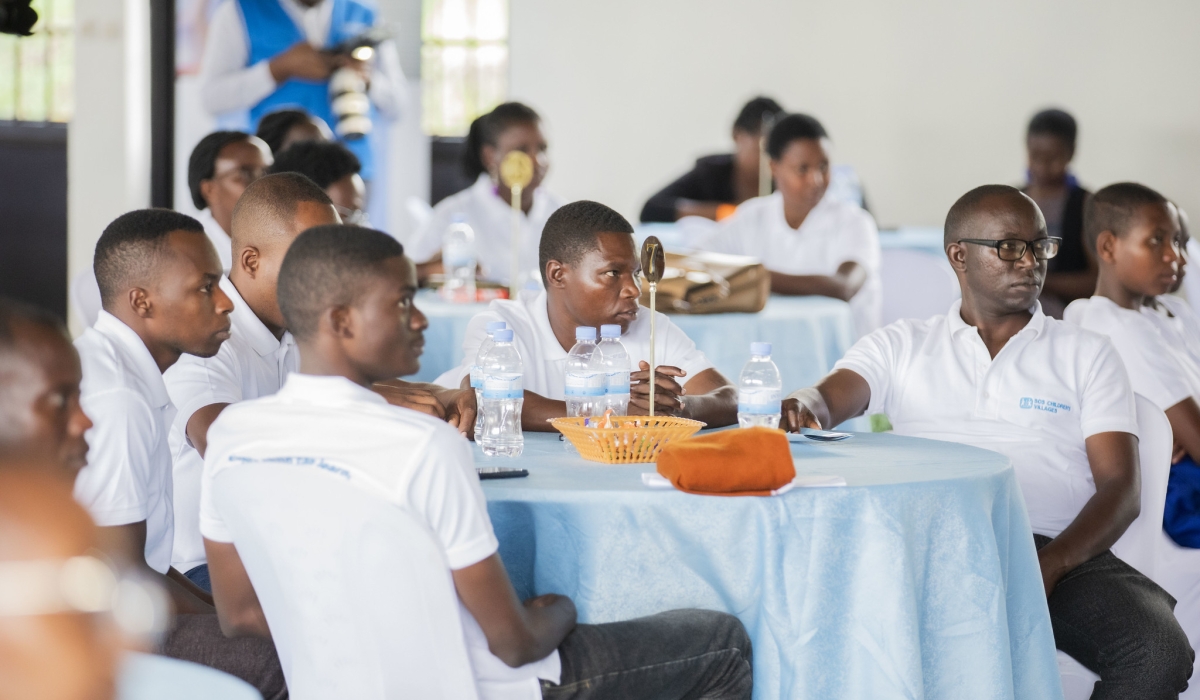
x,y
317,462
1029,403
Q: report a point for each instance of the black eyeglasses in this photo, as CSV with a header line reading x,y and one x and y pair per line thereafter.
x,y
1011,249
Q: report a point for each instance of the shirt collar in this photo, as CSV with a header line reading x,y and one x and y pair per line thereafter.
x,y
247,324
781,219
136,354
540,312
327,389
955,323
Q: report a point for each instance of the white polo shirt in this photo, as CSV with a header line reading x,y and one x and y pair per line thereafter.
x,y
1158,365
128,475
421,463
545,361
834,232
252,363
491,219
1052,386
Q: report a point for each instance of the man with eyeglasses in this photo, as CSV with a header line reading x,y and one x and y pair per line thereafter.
x,y
997,373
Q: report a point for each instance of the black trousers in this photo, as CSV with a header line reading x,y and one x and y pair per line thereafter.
x,y
1121,625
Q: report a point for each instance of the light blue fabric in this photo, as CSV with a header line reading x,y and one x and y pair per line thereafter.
x,y
917,580
924,238
153,677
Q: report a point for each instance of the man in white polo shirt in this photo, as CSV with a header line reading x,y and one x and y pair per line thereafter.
x,y
158,277
347,294
590,268
811,242
995,372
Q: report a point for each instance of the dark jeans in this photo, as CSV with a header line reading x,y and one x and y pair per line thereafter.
x,y
676,655
199,576
1121,625
1181,516
198,638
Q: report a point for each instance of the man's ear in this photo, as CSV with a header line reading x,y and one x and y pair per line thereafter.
x,y
248,259
957,254
139,301
340,320
206,188
1106,247
556,273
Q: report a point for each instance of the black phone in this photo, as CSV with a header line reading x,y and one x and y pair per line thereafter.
x,y
501,472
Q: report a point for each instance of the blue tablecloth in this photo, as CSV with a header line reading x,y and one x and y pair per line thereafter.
x,y
917,580
809,335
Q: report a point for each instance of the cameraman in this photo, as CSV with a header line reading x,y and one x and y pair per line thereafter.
x,y
265,55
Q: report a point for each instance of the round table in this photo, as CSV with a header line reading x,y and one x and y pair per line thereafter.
x,y
919,579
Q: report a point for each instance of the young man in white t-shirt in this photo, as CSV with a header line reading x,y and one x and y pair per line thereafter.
x,y
590,268
159,282
995,372
347,294
1138,241
812,243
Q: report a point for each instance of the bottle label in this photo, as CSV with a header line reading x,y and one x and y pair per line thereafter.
x,y
760,402
618,383
476,377
584,384
502,386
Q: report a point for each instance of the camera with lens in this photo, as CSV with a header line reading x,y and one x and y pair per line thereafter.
x,y
348,89
17,17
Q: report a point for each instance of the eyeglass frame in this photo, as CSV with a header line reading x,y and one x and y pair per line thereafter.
x,y
996,243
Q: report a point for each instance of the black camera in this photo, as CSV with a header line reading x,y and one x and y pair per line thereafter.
x,y
17,17
348,90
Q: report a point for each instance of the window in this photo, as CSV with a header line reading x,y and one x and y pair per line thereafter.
x,y
37,72
464,62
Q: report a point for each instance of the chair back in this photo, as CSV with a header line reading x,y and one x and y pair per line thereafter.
x,y
916,284
1139,546
84,293
1191,281
356,591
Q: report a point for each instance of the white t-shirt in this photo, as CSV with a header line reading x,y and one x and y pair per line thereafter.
x,y
545,361
128,475
1158,366
491,219
1052,386
834,232
251,364
422,463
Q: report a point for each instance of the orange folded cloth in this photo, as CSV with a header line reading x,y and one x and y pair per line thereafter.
x,y
742,462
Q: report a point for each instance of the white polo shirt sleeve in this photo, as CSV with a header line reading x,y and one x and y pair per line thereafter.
x,y
1108,405
729,236
194,383
877,358
114,488
858,240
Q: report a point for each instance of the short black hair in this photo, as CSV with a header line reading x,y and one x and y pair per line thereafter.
x,y
750,119
1113,208
792,127
203,161
1054,122
328,266
273,128
13,311
961,214
323,162
132,245
272,198
570,232
486,130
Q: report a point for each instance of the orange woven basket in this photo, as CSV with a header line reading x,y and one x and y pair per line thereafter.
x,y
625,445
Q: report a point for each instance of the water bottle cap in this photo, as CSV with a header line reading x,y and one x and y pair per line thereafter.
x,y
496,326
504,335
458,218
760,349
585,333
610,331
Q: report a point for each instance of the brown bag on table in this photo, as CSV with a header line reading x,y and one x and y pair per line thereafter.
x,y
711,283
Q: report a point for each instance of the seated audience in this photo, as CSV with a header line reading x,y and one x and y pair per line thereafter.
x,y
717,184
1050,144
348,296
282,128
811,242
487,205
220,169
335,169
1138,243
590,270
159,282
995,372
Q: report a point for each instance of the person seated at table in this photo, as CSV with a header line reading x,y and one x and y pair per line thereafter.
x,y
282,128
1137,240
811,242
220,169
590,270
260,352
487,204
335,169
158,276
348,293
997,373
1050,146
717,184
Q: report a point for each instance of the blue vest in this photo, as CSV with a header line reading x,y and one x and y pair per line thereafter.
x,y
270,31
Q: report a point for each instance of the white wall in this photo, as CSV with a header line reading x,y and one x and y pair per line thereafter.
x,y
926,98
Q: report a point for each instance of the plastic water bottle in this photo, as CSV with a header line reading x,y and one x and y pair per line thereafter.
x,y
760,390
458,262
584,381
477,371
614,362
503,396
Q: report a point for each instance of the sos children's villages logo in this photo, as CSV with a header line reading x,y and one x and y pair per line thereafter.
x,y
1043,405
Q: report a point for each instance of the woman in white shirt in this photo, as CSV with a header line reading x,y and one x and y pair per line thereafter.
x,y
487,205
